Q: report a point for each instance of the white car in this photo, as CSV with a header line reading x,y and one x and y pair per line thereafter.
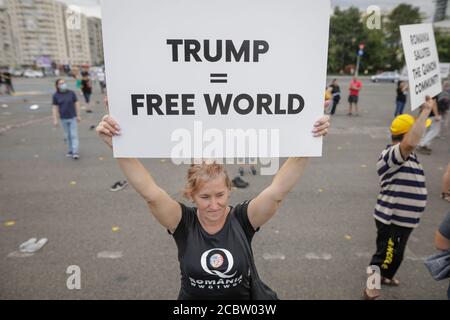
x,y
33,74
17,73
389,76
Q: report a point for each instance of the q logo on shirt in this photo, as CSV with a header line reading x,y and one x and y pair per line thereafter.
x,y
217,260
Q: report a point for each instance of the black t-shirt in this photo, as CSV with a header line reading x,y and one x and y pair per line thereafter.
x,y
86,85
335,89
401,96
213,266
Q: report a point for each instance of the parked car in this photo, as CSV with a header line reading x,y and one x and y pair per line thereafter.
x,y
17,73
33,74
388,76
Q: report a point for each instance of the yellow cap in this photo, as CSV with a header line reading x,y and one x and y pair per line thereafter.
x,y
403,123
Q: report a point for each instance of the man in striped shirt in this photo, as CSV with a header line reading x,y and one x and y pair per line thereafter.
x,y
402,197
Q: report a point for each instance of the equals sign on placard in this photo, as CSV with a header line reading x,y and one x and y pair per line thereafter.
x,y
219,78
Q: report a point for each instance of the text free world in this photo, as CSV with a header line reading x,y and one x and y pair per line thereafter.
x,y
184,104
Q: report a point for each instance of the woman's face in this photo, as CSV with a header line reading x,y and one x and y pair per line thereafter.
x,y
211,199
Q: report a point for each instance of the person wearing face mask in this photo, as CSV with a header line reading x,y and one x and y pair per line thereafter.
x,y
67,108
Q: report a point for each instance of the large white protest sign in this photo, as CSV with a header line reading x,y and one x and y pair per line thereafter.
x,y
216,79
422,62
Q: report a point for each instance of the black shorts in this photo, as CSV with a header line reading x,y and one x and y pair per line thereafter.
x,y
352,99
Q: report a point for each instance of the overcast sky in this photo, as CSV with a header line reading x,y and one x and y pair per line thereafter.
x,y
92,7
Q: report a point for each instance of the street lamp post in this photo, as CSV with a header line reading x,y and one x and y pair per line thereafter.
x,y
358,58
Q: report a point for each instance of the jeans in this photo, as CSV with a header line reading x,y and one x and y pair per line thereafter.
x,y
70,127
399,106
432,132
335,103
87,97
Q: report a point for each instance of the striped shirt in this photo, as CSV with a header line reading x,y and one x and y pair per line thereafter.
x,y
403,194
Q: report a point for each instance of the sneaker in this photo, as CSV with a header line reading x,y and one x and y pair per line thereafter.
x,y
239,183
76,156
241,171
69,154
119,185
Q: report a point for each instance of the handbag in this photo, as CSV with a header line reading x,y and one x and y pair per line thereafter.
x,y
259,290
439,265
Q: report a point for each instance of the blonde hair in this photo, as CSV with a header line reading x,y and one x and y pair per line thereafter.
x,y
198,174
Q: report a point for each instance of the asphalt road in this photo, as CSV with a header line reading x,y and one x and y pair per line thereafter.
x,y
316,247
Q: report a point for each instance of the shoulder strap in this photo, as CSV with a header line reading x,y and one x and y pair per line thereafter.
x,y
249,252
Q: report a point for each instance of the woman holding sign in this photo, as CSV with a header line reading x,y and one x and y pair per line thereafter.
x,y
213,238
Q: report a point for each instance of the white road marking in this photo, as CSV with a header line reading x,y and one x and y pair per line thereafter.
x,y
316,256
110,255
276,256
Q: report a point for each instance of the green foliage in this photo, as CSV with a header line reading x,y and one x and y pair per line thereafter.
x,y
400,15
346,32
383,48
443,45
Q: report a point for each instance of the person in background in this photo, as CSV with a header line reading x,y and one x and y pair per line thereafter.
x,y
400,100
66,109
446,184
402,197
101,80
86,88
435,128
328,100
442,239
355,88
7,81
1,82
444,108
336,92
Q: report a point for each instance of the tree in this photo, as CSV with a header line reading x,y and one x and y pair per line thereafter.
x,y
400,15
346,32
375,53
443,45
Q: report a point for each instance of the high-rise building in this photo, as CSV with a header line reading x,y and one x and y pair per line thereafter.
x,y
38,28
441,11
95,40
441,19
78,41
36,32
7,53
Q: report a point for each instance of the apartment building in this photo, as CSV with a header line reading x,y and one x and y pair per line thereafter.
x,y
95,40
441,16
38,30
7,53
78,42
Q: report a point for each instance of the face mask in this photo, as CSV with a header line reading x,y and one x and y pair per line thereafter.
x,y
63,87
